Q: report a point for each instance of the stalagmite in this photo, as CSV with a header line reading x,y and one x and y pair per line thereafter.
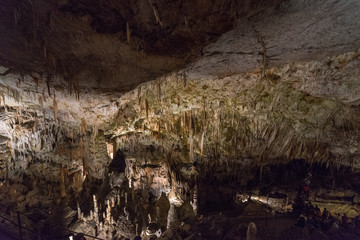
x,y
96,211
157,213
251,231
194,199
108,211
78,211
126,212
112,201
172,217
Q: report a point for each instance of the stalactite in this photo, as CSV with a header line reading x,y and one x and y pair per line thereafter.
x,y
17,15
55,106
62,183
159,90
3,96
16,95
147,109
128,33
95,133
159,127
190,122
139,95
77,92
11,148
158,21
48,78
184,78
132,191
40,99
83,127
84,164
178,101
44,51
191,153
202,142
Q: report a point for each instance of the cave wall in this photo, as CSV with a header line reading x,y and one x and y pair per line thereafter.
x,y
302,110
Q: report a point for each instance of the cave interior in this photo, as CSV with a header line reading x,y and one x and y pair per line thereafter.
x,y
184,120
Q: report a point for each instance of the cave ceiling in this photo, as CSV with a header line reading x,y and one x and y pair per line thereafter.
x,y
252,79
114,44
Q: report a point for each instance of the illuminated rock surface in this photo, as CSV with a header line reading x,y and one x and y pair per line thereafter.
x,y
178,120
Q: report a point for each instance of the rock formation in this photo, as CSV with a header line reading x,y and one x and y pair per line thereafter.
x,y
159,118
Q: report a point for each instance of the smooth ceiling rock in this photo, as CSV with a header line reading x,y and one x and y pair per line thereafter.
x,y
294,31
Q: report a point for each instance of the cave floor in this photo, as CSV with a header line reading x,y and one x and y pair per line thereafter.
x,y
279,227
233,224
